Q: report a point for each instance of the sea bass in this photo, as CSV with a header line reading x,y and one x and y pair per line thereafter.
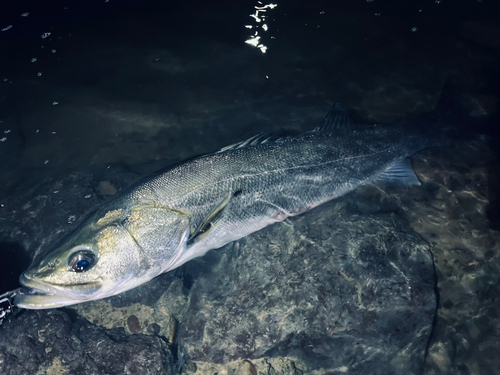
x,y
182,212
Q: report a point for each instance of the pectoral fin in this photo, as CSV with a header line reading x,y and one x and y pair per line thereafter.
x,y
210,222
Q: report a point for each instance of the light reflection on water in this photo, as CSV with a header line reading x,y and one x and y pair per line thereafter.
x,y
259,17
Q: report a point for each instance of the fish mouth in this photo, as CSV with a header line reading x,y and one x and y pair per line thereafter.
x,y
37,295
29,291
31,287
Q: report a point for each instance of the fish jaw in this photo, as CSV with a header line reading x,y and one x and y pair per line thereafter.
x,y
39,295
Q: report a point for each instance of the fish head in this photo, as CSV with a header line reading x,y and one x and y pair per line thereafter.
x,y
113,251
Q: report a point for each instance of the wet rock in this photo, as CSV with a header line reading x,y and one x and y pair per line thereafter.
x,y
49,342
455,211
247,368
153,329
105,188
330,289
133,324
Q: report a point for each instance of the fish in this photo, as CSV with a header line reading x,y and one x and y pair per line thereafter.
x,y
181,212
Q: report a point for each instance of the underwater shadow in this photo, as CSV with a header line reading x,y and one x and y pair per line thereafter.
x,y
492,130
14,261
493,171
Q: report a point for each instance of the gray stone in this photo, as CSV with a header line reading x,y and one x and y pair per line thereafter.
x,y
50,342
330,289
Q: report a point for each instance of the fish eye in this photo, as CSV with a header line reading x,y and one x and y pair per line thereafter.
x,y
82,261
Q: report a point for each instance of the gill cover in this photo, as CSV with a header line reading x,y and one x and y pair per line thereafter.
x,y
158,231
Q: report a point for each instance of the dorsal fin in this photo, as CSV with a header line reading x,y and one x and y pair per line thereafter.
x,y
336,120
257,139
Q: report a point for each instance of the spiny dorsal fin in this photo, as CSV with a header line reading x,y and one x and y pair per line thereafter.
x,y
257,139
337,119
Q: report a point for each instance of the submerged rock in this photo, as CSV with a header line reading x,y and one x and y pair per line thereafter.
x,y
329,290
49,342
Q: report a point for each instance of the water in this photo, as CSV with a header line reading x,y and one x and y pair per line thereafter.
x,y
99,94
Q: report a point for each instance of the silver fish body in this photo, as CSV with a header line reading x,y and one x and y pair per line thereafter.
x,y
182,212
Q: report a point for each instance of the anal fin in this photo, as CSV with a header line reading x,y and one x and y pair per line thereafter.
x,y
399,173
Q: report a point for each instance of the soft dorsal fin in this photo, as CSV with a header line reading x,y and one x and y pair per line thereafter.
x,y
399,173
337,119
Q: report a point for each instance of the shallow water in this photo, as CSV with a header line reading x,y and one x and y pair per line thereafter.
x,y
113,91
